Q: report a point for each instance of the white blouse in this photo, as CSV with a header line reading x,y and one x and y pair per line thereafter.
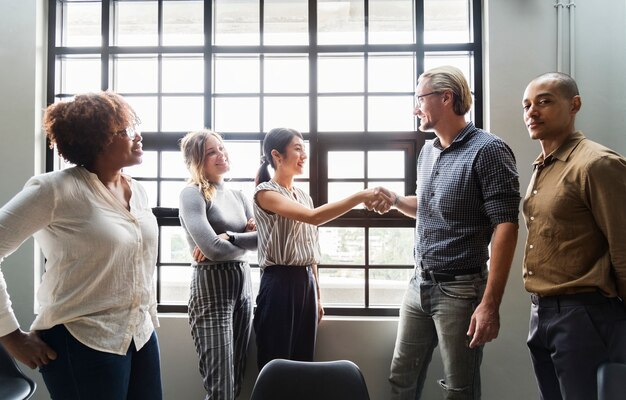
x,y
100,258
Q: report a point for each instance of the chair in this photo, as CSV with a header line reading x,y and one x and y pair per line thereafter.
x,y
14,385
612,381
325,380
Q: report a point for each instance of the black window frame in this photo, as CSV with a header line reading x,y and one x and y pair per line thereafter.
x,y
320,142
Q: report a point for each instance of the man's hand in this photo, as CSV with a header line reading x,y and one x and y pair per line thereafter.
x,y
484,325
383,201
28,348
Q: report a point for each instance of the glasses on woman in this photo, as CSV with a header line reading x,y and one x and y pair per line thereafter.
x,y
131,132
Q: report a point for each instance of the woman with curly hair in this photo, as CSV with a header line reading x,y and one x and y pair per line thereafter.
x,y
94,334
220,230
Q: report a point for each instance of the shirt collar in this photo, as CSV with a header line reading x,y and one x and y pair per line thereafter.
x,y
462,136
563,152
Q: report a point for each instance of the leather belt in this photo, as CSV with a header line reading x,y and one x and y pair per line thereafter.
x,y
565,300
449,276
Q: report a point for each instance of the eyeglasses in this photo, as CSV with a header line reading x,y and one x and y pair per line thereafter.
x,y
419,97
131,132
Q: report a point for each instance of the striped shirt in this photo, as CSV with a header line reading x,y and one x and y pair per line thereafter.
x,y
463,192
281,240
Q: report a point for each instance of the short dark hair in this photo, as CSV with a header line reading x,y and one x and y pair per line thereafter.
x,y
566,85
81,128
276,139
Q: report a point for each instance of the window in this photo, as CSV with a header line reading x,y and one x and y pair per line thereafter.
x,y
342,72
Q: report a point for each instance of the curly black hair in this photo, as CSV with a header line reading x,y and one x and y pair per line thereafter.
x,y
80,129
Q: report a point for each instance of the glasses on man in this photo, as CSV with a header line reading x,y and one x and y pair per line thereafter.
x,y
419,97
131,132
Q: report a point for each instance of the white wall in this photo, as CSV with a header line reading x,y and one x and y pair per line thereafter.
x,y
519,44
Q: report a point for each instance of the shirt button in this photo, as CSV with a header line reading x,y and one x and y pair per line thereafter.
x,y
532,218
534,192
531,246
531,273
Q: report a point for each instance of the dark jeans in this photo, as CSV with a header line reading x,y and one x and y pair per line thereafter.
x,y
80,372
285,320
569,337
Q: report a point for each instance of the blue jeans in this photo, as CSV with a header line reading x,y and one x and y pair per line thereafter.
x,y
431,314
80,372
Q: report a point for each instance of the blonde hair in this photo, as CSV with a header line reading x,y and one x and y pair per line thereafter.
x,y
192,147
450,78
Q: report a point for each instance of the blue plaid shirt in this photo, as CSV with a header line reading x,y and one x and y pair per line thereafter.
x,y
463,192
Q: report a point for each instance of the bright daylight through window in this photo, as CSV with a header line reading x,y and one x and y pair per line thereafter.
x,y
342,72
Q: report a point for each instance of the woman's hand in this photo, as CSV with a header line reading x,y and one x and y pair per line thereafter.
x,y
250,225
320,311
28,348
197,254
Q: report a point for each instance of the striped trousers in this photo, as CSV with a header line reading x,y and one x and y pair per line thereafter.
x,y
220,311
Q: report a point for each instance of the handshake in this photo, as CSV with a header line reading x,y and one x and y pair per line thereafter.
x,y
380,199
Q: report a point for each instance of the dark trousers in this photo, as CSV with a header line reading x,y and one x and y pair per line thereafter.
x,y
285,320
569,337
80,372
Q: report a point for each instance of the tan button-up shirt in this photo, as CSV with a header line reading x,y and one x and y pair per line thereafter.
x,y
575,213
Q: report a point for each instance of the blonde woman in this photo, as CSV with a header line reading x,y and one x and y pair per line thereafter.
x,y
220,230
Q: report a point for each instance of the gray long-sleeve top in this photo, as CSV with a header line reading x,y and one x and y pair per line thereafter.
x,y
203,221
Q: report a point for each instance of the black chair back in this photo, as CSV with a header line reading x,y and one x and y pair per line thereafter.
x,y
324,380
14,384
612,381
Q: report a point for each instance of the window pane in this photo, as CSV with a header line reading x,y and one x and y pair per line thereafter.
x,y
183,74
183,23
340,22
146,109
135,74
169,193
81,26
78,74
151,191
304,185
135,23
342,245
461,60
147,168
391,246
172,165
390,113
385,164
174,247
391,21
286,22
291,112
387,286
244,158
340,73
342,287
341,190
239,114
394,186
340,114
346,164
286,74
236,23
182,114
175,282
236,74
446,21
391,73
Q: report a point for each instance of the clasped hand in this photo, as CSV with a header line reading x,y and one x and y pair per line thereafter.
x,y
381,200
